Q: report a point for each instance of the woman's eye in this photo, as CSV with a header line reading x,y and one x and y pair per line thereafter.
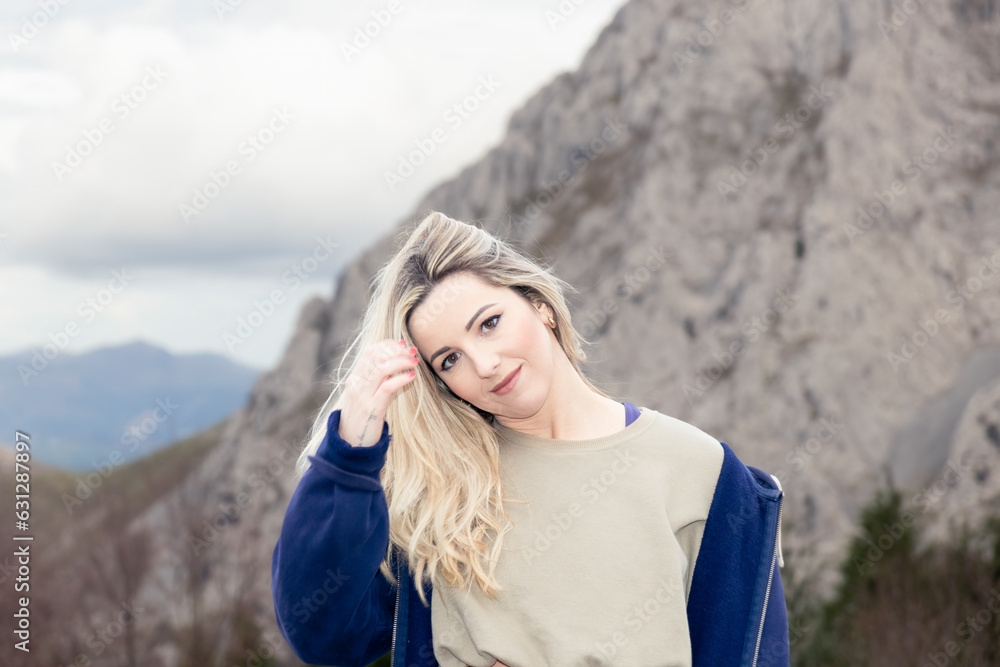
x,y
495,320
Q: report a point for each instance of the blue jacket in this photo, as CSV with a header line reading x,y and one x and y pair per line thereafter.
x,y
334,607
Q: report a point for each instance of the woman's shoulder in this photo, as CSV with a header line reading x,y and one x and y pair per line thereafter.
x,y
682,433
697,453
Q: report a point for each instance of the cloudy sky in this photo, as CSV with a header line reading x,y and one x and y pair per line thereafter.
x,y
170,168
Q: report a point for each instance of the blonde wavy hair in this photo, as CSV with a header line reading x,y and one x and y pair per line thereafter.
x,y
441,475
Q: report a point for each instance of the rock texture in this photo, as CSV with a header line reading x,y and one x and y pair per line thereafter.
x,y
776,215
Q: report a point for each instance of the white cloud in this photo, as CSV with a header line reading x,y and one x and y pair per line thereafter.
x,y
221,81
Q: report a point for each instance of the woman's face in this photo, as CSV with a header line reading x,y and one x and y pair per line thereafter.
x,y
475,335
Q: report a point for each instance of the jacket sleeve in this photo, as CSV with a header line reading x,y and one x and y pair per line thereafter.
x,y
332,604
736,582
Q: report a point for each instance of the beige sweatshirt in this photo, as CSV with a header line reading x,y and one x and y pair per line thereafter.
x,y
598,566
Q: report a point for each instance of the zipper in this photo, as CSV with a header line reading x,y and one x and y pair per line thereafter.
x,y
767,591
781,558
395,619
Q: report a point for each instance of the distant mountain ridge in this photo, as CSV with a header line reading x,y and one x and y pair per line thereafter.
x,y
130,399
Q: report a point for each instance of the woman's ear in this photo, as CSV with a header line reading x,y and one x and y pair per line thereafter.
x,y
544,311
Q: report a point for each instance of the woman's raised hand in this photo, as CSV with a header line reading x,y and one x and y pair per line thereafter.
x,y
375,378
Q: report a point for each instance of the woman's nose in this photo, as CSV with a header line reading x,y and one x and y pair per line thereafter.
x,y
486,363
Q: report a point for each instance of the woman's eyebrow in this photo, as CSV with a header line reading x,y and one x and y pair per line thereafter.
x,y
467,327
473,318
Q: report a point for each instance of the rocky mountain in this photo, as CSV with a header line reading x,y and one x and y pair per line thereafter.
x,y
781,219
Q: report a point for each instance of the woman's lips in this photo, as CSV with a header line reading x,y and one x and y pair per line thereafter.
x,y
507,385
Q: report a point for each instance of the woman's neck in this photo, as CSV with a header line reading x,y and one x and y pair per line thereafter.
x,y
572,410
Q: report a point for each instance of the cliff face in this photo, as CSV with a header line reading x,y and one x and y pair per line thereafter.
x,y
781,219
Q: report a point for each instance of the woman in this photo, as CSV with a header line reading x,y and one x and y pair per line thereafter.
x,y
546,523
